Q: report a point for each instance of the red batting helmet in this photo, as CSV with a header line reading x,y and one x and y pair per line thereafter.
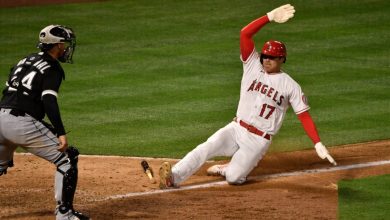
x,y
275,49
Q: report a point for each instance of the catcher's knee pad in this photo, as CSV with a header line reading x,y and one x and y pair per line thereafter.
x,y
69,182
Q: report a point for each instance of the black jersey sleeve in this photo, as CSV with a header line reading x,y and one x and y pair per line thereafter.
x,y
53,113
52,80
50,88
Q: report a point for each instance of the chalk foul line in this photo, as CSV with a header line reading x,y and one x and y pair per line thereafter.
x,y
261,177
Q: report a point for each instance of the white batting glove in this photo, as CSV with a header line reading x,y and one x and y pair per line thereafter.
x,y
281,14
323,153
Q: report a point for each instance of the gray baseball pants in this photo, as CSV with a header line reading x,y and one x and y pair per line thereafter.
x,y
31,135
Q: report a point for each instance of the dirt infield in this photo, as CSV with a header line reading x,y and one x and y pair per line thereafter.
x,y
27,189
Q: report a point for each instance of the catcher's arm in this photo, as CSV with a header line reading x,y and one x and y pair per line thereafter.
x,y
53,113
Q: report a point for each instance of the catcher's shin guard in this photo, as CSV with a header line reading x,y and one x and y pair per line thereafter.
x,y
69,180
4,167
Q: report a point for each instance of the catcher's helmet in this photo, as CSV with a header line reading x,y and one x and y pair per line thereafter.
x,y
274,48
54,34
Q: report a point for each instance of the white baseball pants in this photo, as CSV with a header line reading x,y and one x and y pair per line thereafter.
x,y
246,149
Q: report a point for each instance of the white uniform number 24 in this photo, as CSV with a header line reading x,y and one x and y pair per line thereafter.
x,y
269,113
27,80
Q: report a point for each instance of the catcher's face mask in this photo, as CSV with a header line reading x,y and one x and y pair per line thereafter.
x,y
54,34
68,52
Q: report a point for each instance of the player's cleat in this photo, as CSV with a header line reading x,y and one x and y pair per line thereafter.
x,y
166,178
70,215
217,170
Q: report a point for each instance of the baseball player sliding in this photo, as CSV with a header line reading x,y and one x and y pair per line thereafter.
x,y
265,95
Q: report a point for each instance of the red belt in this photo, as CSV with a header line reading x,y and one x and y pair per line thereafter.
x,y
254,130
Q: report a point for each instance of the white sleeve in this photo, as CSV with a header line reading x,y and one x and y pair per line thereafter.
x,y
252,63
251,57
298,100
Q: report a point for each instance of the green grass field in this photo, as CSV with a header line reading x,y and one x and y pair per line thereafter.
x,y
157,78
367,198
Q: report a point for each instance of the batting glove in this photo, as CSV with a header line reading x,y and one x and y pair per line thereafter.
x,y
281,14
323,153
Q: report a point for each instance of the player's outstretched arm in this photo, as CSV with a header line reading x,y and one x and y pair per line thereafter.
x,y
311,131
246,42
279,15
309,126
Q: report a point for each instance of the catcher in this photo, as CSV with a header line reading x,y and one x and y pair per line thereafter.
x,y
266,93
30,94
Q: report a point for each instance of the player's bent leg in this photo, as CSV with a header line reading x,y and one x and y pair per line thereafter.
x,y
9,133
43,143
222,143
65,186
245,160
6,158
